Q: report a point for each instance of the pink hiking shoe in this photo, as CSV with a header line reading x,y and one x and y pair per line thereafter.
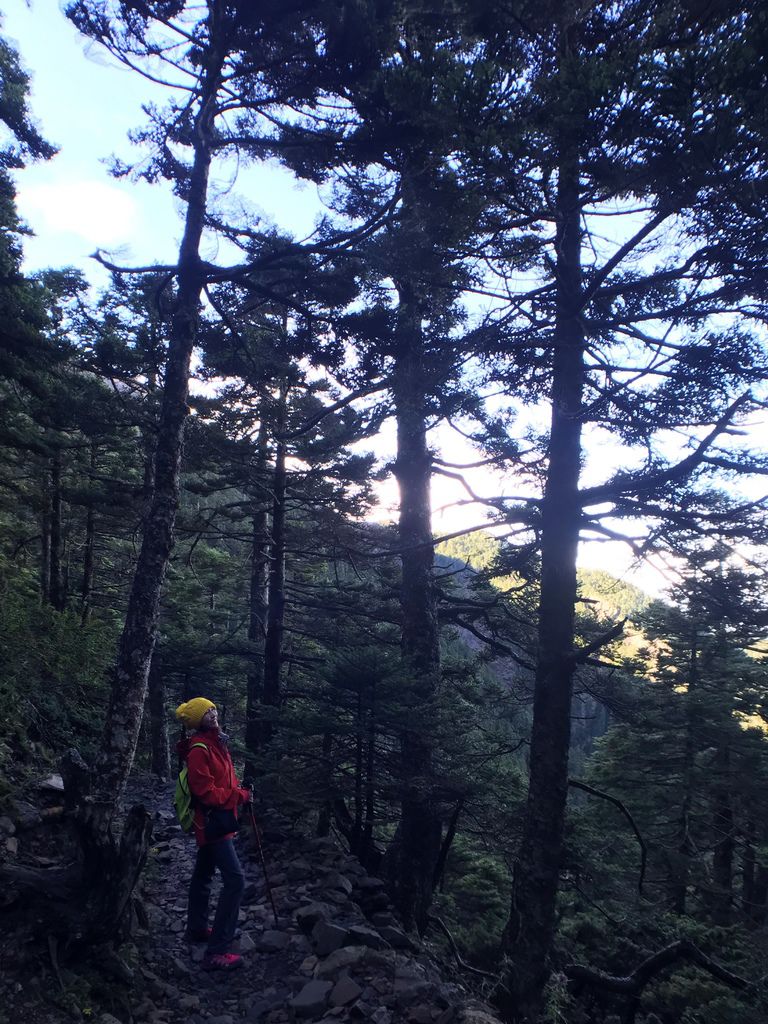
x,y
221,961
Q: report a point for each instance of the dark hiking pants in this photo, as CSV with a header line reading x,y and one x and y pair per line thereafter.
x,y
221,855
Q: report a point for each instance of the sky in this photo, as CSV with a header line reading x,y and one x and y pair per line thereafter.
x,y
74,206
86,103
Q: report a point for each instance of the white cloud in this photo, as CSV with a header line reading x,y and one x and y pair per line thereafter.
x,y
100,214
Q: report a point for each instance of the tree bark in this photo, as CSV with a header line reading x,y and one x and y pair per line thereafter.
x,y
370,779
257,608
529,933
722,859
129,684
58,598
88,554
45,551
760,895
681,863
413,855
748,867
357,828
325,816
273,644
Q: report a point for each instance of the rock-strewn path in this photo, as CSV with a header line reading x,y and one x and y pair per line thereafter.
x,y
337,952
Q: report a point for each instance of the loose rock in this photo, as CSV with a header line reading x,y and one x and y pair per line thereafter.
x,y
312,999
327,937
346,990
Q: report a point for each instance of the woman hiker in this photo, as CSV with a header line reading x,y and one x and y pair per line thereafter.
x,y
217,797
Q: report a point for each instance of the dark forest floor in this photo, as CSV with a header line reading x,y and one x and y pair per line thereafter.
x,y
337,952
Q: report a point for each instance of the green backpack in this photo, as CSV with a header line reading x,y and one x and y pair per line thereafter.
x,y
182,798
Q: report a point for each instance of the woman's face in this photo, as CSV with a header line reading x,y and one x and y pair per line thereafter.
x,y
210,719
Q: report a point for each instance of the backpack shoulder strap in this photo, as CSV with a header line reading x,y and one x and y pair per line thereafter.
x,y
193,745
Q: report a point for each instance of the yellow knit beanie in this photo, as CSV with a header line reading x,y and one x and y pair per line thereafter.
x,y
192,712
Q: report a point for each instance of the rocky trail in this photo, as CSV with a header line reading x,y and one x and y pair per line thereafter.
x,y
337,952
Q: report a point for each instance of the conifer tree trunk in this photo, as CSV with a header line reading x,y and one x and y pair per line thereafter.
x,y
58,598
529,933
257,607
680,869
357,828
45,551
370,777
88,553
760,896
138,638
748,866
148,441
326,811
276,600
722,860
417,842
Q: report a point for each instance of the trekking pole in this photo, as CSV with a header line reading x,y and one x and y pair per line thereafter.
x,y
263,862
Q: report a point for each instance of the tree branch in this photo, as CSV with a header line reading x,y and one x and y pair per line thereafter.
x,y
635,982
617,803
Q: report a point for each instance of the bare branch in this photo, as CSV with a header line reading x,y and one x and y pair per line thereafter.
x,y
617,803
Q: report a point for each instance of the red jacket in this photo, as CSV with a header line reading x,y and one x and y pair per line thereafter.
x,y
211,777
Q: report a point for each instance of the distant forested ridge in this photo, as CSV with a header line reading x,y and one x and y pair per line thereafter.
x,y
540,273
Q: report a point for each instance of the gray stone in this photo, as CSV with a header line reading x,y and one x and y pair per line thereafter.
x,y
320,843
335,880
381,1016
410,982
446,1016
369,884
189,1003
396,938
386,960
472,1015
347,956
420,1014
107,1018
360,1010
26,815
273,941
308,916
361,936
345,991
180,967
327,937
246,943
299,944
375,901
12,845
7,828
144,1009
263,1003
383,918
354,867
312,999
298,870
409,969
257,1009
336,896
